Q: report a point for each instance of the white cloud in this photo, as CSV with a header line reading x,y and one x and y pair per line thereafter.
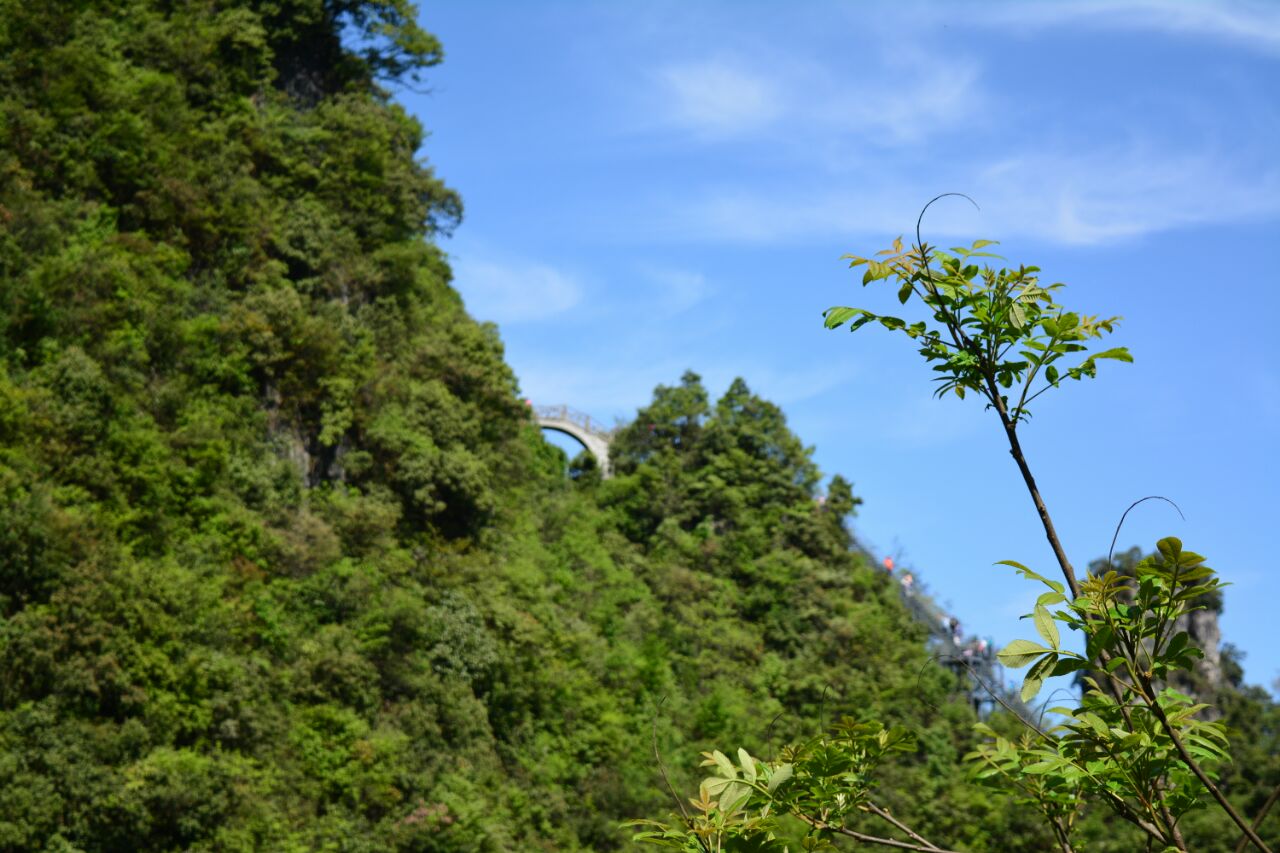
x,y
825,145
913,95
678,290
1061,197
512,291
1246,22
781,216
881,98
1109,195
718,98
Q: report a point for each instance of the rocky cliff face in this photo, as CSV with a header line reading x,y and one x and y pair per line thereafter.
x,y
1205,632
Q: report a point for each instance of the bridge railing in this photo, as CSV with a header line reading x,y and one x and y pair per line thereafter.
x,y
573,416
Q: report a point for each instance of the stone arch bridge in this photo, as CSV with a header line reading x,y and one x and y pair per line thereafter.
x,y
591,434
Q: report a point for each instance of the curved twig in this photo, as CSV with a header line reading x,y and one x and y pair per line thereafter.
x,y
934,659
768,732
662,768
1111,551
822,706
924,209
1044,709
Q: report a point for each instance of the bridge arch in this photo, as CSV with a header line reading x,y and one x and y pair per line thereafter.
x,y
580,427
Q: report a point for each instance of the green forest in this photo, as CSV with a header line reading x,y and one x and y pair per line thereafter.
x,y
285,562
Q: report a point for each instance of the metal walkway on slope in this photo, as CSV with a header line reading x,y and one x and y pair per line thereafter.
x,y
970,657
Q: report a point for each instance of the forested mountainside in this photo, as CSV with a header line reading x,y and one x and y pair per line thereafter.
x,y
284,563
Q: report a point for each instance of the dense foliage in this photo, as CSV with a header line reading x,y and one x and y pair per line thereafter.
x,y
285,563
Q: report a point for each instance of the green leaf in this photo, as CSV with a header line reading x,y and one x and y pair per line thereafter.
x,y
1170,548
1043,667
724,765
1030,687
1039,768
713,785
748,765
1177,644
1118,353
1069,665
734,797
1019,653
1046,627
904,293
1047,598
779,776
837,316
1025,572
1095,722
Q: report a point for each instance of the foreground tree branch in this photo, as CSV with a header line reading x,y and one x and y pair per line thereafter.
x,y
1143,752
1261,816
818,823
884,815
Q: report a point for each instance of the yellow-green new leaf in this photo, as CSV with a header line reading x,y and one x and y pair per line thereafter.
x,y
1046,627
734,797
779,776
1019,653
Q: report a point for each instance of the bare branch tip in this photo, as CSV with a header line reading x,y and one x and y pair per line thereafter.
x,y
1111,551
925,209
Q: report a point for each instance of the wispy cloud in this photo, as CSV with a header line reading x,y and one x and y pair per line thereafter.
x,y
884,98
718,98
824,144
678,290
1107,195
1101,196
1246,22
512,291
914,94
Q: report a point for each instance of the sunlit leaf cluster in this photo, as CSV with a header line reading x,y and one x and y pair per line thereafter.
x,y
825,783
996,333
1118,745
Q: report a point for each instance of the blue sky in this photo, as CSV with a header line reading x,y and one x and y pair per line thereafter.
x,y
655,186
